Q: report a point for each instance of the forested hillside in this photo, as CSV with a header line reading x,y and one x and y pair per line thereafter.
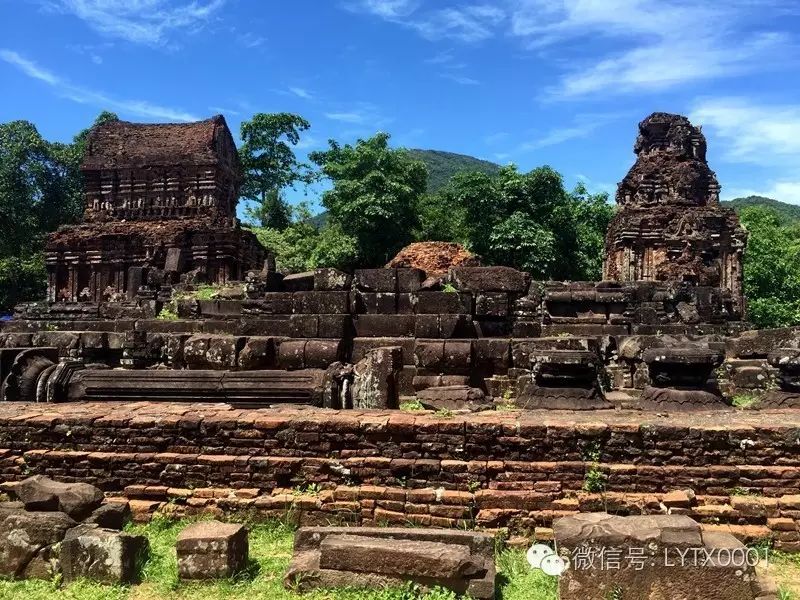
x,y
443,165
789,213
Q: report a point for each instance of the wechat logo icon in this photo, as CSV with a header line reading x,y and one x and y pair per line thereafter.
x,y
544,558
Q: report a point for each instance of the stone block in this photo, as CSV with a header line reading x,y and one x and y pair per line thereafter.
x,y
299,282
376,280
331,303
405,558
384,325
211,550
328,279
40,493
434,303
371,303
489,279
24,534
362,557
409,279
714,565
104,555
112,515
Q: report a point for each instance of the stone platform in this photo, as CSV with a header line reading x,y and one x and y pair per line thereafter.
x,y
495,469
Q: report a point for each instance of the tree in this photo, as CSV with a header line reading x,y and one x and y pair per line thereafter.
x,y
269,165
529,221
375,191
41,188
771,268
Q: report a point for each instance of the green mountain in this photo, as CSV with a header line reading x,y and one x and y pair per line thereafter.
x,y
441,167
788,212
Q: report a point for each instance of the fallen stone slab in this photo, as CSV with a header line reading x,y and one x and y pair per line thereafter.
x,y
39,493
212,550
104,555
376,557
398,557
659,557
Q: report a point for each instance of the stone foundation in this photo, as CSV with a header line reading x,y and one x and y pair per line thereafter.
x,y
502,469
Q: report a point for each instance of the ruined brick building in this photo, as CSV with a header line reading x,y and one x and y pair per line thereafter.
x,y
160,202
671,226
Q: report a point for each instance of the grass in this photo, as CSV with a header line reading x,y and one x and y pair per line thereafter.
x,y
270,553
411,406
745,400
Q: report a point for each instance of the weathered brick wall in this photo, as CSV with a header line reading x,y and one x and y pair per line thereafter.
x,y
501,469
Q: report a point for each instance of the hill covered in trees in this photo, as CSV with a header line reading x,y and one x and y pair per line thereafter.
x,y
789,213
443,165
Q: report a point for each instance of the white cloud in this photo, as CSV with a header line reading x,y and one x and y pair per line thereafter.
x,y
141,21
221,110
750,132
460,79
471,23
652,44
82,95
582,126
387,9
362,113
250,40
346,117
301,93
467,24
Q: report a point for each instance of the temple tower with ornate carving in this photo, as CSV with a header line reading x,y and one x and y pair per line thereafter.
x,y
160,201
670,225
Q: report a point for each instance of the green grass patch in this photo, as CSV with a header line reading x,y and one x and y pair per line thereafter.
x,y
270,553
411,406
745,400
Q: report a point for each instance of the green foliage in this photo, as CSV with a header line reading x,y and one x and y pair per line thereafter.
x,y
518,581
412,406
375,191
529,221
167,313
269,164
21,278
40,189
302,247
745,400
594,480
771,268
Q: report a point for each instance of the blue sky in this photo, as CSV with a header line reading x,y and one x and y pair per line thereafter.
x,y
526,81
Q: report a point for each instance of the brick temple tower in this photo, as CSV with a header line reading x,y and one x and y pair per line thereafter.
x,y
160,201
670,225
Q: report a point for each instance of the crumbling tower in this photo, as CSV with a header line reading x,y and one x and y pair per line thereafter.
x,y
160,202
670,225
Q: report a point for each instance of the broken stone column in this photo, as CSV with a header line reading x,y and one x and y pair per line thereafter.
x,y
212,550
660,557
562,379
337,557
375,379
679,379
